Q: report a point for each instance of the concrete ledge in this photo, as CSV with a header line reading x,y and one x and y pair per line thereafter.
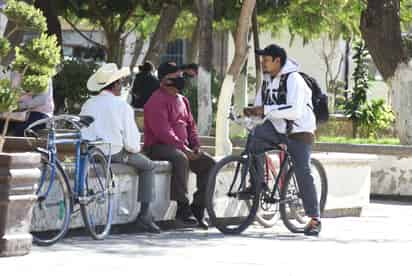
x,y
349,180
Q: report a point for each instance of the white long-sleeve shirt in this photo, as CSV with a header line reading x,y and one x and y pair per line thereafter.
x,y
114,122
298,106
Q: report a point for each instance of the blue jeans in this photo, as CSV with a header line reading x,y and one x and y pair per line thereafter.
x,y
265,137
301,153
18,128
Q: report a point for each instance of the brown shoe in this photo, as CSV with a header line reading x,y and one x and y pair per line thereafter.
x,y
313,228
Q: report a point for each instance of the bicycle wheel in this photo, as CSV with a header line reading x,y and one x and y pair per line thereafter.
x,y
96,202
268,211
291,204
52,210
321,182
231,198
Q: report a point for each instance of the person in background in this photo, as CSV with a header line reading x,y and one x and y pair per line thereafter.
x,y
39,106
145,83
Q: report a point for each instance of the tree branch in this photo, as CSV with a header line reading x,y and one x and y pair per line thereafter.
x,y
84,36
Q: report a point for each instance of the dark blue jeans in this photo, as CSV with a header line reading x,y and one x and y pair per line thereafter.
x,y
265,137
301,153
18,128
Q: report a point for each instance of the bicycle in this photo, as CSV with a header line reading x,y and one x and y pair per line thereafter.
x,y
233,211
92,189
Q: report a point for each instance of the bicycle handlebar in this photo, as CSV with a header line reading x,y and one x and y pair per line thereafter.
x,y
248,123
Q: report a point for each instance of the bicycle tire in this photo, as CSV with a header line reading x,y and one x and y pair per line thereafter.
x,y
291,207
216,203
42,235
97,219
268,220
316,164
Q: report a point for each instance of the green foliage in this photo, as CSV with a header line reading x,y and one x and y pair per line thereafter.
x,y
374,117
37,61
70,95
358,96
369,118
406,14
4,47
309,19
8,96
344,140
184,27
25,16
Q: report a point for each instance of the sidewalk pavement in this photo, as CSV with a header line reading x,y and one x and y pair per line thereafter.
x,y
378,243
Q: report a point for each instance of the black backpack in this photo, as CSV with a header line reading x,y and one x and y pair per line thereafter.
x,y
319,99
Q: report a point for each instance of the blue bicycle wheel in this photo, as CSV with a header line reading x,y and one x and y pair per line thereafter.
x,y
52,210
96,202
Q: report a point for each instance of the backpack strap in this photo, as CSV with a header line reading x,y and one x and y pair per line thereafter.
x,y
283,88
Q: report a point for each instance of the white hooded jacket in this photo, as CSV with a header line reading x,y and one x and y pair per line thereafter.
x,y
298,107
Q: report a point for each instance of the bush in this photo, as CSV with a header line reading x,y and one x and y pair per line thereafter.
x,y
375,116
70,86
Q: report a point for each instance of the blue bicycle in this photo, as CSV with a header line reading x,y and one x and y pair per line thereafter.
x,y
92,188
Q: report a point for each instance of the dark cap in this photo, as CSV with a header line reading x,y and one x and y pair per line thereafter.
x,y
166,68
273,50
146,67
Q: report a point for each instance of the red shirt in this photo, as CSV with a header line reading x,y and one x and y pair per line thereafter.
x,y
168,120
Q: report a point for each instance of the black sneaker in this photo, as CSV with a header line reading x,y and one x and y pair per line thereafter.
x,y
185,216
199,213
313,228
147,224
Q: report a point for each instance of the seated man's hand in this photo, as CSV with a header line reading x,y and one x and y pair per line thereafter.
x,y
191,155
253,111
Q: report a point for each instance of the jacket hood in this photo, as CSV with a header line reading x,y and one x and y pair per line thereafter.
x,y
289,67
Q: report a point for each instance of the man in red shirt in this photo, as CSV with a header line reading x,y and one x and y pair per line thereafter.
x,y
170,134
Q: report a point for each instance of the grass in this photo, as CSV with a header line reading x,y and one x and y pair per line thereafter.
x,y
345,140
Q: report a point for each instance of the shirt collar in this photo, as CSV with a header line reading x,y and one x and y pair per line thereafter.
x,y
106,93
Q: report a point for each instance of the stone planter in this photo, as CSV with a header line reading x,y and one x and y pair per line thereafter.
x,y
19,176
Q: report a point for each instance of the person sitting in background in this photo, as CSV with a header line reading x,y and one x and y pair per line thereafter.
x,y
145,83
39,106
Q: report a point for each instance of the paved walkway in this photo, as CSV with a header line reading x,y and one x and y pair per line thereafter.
x,y
378,243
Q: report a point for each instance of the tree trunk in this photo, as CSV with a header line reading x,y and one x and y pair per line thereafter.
x,y
204,94
223,144
113,46
195,43
138,46
158,42
381,30
240,100
48,7
258,65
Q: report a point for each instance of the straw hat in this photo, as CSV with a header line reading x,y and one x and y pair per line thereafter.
x,y
105,75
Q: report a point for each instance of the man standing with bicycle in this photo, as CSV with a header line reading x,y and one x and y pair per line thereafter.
x,y
290,114
115,123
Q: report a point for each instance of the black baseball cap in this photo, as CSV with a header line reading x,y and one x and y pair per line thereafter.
x,y
273,50
166,68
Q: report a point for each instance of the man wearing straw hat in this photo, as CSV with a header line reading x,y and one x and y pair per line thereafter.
x,y
115,123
